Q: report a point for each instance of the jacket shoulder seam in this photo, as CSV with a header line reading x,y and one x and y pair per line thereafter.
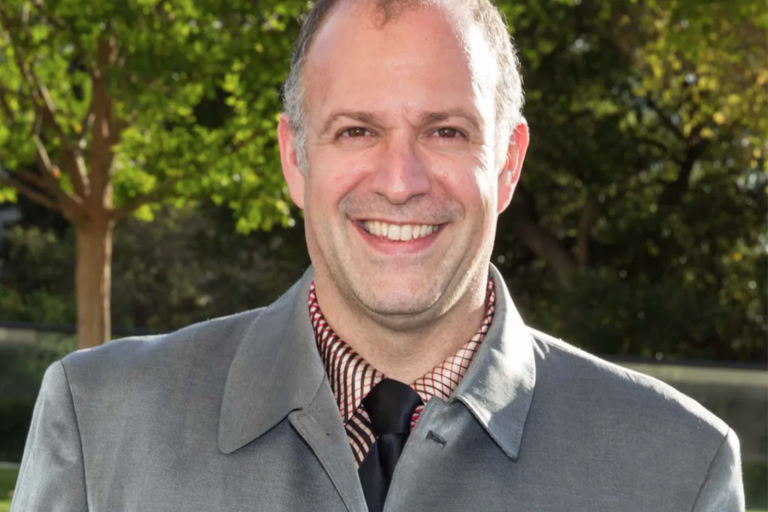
x,y
709,469
79,432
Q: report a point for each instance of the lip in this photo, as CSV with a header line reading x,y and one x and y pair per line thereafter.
x,y
384,245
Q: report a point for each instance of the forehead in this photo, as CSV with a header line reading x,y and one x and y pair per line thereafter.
x,y
428,57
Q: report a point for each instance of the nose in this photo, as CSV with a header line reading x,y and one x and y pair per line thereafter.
x,y
400,174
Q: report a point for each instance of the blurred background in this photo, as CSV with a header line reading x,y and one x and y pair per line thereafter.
x,y
140,186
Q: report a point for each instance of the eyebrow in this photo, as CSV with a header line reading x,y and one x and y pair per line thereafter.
x,y
426,118
356,115
438,117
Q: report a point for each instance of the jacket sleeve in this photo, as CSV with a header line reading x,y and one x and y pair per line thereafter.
x,y
723,488
52,474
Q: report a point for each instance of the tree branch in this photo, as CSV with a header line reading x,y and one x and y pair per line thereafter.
x,y
42,154
36,180
589,216
659,145
540,240
74,164
675,190
85,126
105,132
38,90
5,105
32,194
39,5
666,121
70,205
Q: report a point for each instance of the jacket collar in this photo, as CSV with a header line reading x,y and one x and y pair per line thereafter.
x,y
498,388
277,370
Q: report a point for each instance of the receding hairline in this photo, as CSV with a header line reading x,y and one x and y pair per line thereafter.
x,y
460,14
384,12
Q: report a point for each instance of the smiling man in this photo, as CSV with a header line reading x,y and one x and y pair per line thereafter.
x,y
396,374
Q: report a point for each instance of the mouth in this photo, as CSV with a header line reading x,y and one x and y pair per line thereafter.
x,y
399,232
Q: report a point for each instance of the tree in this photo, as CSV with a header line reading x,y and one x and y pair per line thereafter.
x,y
638,225
114,108
187,265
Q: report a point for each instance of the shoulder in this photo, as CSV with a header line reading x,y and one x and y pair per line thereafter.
x,y
628,400
636,431
193,351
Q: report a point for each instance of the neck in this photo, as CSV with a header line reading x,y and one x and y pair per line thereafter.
x,y
405,348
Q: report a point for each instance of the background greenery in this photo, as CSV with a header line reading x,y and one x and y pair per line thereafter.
x,y
638,228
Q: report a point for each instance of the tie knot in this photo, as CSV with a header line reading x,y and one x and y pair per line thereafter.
x,y
390,405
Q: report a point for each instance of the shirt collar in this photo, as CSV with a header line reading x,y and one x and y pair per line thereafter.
x,y
276,370
351,377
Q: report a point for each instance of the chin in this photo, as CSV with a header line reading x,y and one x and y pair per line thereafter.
x,y
389,300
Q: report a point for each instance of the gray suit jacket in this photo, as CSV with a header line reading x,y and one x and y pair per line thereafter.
x,y
236,414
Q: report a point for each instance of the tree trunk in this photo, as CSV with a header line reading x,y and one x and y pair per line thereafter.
x,y
545,245
94,283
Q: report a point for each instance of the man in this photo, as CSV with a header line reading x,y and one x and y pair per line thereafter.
x,y
397,374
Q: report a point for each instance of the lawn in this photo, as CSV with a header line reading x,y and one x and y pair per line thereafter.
x,y
7,483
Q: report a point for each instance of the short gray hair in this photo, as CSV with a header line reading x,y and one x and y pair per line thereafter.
x,y
509,87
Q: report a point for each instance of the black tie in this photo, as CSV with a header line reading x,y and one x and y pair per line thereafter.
x,y
390,405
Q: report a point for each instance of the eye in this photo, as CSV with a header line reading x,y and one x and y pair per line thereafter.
x,y
354,132
448,133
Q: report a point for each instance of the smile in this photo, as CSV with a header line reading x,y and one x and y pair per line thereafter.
x,y
401,232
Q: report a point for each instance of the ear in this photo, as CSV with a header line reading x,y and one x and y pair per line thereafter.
x,y
513,165
294,178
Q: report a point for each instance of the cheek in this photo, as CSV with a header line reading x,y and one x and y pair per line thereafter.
x,y
333,177
468,181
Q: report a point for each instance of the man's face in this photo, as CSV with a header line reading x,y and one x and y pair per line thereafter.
x,y
403,184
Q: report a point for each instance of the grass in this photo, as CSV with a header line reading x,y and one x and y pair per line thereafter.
x,y
7,483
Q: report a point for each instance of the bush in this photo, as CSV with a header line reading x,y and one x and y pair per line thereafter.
x,y
21,373
755,488
15,417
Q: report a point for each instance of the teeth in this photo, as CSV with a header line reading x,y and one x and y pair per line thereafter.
x,y
397,232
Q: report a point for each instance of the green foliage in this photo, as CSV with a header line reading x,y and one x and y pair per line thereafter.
x,y
41,291
647,166
649,124
194,86
21,373
15,417
7,483
186,266
190,265
755,477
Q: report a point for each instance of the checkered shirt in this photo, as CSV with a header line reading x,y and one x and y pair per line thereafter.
x,y
352,378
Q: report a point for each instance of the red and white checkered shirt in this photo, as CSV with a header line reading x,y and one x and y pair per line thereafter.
x,y
352,378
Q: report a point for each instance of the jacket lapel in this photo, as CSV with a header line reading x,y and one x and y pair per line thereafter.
x,y
276,374
321,427
498,388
